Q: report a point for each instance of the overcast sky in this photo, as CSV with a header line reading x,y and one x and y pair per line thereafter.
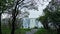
x,y
35,13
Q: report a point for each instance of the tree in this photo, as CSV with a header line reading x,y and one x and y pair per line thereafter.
x,y
44,20
54,9
13,7
15,12
53,14
3,6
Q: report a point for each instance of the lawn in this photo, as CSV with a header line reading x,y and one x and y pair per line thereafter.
x,y
6,30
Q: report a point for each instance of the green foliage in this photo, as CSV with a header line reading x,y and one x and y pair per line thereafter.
x,y
42,18
52,13
45,17
4,4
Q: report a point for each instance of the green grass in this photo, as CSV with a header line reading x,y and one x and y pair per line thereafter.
x,y
44,31
7,30
21,31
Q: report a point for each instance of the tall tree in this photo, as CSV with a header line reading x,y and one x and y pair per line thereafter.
x,y
54,14
20,4
44,20
14,14
3,6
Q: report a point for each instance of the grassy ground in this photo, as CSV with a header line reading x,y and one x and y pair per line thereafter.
x,y
17,31
44,31
21,31
7,30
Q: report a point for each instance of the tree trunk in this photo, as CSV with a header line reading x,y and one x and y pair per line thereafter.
x,y
13,24
0,24
14,14
45,26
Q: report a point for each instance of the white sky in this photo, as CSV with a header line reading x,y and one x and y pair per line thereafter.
x,y
34,13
